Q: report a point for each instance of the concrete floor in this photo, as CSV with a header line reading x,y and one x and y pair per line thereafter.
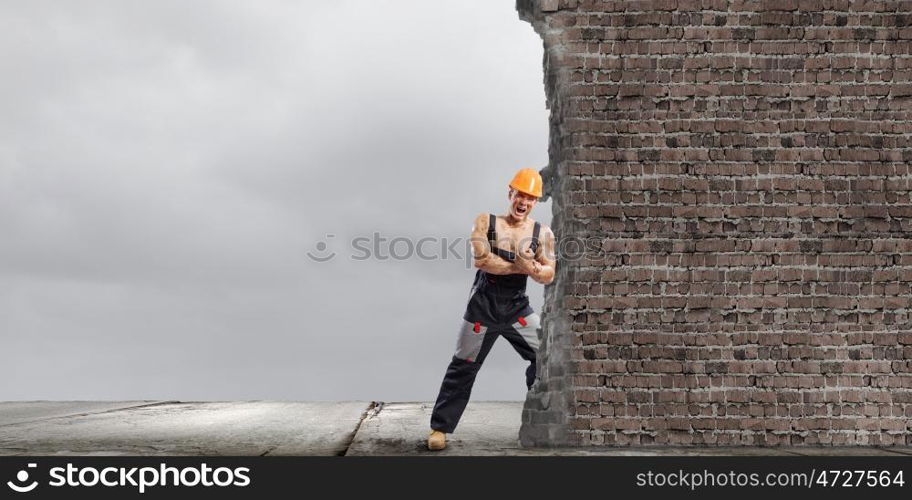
x,y
178,428
258,428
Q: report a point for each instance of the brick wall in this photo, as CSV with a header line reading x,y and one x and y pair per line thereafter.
x,y
744,170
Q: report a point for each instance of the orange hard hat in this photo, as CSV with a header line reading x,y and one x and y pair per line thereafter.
x,y
528,181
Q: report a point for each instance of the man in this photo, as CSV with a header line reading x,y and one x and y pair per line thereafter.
x,y
507,249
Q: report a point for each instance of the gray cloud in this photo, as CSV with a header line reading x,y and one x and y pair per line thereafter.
x,y
165,167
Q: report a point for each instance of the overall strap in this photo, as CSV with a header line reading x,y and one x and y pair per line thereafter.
x,y
534,245
492,234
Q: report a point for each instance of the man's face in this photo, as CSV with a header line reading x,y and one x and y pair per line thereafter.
x,y
521,204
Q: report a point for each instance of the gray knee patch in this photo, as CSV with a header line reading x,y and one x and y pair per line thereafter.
x,y
468,345
529,331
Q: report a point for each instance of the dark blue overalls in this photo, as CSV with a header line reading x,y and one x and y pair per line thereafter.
x,y
498,305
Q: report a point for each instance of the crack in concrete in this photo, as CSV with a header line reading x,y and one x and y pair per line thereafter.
x,y
373,409
85,414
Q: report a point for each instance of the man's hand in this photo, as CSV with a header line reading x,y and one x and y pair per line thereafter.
x,y
543,264
525,261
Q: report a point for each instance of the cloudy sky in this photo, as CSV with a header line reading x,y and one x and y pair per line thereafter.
x,y
166,168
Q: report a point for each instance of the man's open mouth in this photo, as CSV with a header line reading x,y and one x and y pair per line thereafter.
x,y
521,210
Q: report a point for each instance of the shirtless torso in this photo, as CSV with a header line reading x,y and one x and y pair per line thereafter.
x,y
515,238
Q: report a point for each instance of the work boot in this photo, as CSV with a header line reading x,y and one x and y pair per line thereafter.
x,y
436,440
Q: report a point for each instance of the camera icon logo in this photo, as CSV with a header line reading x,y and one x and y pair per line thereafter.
x,y
22,477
